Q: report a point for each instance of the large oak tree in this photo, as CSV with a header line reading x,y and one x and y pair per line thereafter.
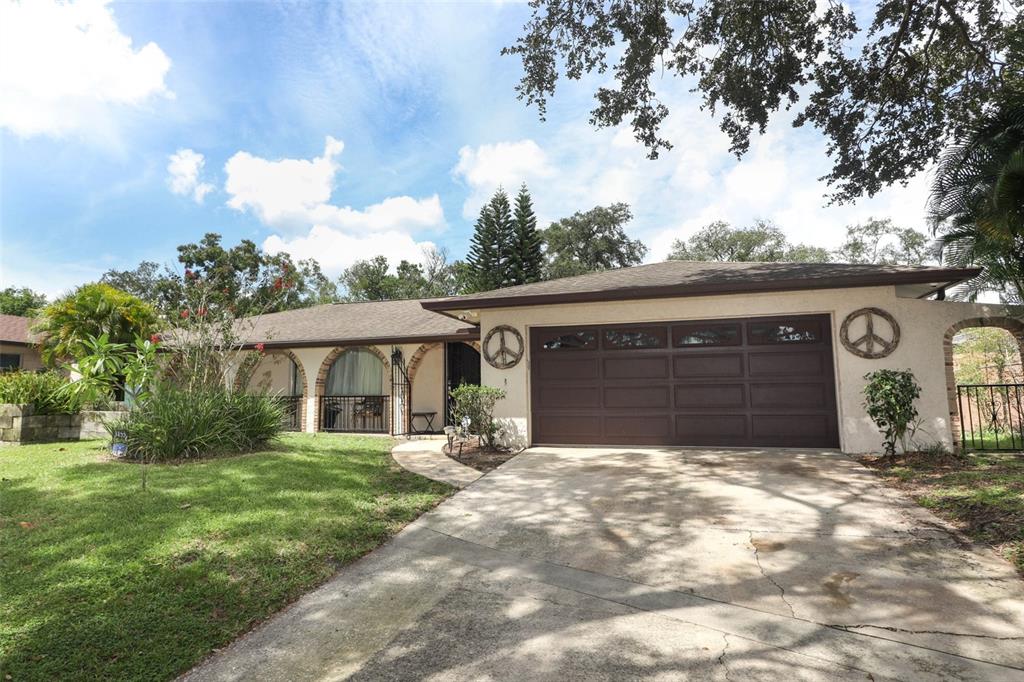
x,y
888,88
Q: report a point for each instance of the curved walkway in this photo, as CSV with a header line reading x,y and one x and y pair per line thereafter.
x,y
425,457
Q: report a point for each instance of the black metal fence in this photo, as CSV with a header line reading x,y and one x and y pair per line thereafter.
x,y
991,416
292,406
359,413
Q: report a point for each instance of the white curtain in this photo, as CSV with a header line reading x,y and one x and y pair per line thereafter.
x,y
356,372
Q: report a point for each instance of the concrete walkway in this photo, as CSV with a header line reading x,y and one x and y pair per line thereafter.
x,y
590,564
425,457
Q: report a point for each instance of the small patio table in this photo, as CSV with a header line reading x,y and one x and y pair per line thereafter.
x,y
427,417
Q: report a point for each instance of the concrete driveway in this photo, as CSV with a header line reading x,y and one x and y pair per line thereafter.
x,y
612,564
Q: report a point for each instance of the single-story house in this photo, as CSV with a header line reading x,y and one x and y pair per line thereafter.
x,y
674,353
17,345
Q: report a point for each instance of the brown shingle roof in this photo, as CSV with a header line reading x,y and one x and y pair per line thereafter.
x,y
692,278
353,323
15,329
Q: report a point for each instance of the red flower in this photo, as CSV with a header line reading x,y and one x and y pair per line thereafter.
x,y
259,347
154,338
188,274
201,312
184,314
278,283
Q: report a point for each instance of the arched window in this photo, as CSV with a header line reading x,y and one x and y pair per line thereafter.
x,y
356,372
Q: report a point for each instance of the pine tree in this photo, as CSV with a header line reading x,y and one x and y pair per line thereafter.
x,y
490,249
526,257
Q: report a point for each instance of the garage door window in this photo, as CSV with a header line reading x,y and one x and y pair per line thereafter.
x,y
765,333
583,340
621,339
691,335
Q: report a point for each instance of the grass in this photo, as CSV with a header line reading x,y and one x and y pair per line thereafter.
x,y
990,440
102,580
981,493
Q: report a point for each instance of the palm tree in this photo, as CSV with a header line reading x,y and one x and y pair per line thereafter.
x,y
976,207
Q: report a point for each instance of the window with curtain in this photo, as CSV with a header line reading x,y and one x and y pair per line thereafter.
x,y
356,372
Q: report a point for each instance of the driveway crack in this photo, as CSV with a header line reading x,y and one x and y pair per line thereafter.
x,y
890,628
764,574
721,657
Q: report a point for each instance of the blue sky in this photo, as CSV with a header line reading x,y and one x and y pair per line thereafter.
x,y
339,131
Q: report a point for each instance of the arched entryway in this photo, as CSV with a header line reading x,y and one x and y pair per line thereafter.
x,y
280,373
985,383
352,390
434,369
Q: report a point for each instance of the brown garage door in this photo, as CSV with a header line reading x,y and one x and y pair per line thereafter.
x,y
757,381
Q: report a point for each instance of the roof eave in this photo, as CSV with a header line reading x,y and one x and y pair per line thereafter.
x,y
947,277
469,335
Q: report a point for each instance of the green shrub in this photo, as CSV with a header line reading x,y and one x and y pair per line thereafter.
x,y
43,390
889,400
476,404
176,424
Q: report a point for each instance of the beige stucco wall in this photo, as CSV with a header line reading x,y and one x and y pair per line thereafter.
x,y
428,386
30,358
923,324
272,375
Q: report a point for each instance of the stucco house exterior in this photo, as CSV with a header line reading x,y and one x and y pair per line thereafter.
x,y
674,353
17,345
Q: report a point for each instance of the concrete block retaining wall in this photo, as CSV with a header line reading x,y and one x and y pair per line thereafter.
x,y
20,424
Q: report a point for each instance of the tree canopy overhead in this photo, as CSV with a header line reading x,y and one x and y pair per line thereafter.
x,y
888,91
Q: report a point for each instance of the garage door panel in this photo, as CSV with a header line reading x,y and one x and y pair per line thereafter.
x,y
804,363
571,368
732,382
575,396
703,428
709,395
626,365
707,365
636,397
657,427
789,395
564,426
805,426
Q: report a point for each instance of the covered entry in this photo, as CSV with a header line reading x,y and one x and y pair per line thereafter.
x,y
729,382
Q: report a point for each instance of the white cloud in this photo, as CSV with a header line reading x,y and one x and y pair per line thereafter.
x,y
66,67
292,194
335,250
508,164
183,170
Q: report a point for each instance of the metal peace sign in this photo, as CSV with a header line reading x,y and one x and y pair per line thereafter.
x,y
507,350
872,344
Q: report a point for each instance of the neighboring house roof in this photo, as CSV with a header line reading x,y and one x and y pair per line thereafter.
x,y
403,321
691,278
15,330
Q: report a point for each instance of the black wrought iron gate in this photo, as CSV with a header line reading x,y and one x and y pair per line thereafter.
x,y
401,394
991,416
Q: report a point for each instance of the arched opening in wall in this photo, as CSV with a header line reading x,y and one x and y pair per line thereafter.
x,y
353,390
986,383
279,374
462,366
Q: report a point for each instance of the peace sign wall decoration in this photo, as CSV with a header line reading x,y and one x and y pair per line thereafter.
x,y
503,347
881,335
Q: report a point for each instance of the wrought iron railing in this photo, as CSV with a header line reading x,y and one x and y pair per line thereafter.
x,y
991,416
358,413
292,408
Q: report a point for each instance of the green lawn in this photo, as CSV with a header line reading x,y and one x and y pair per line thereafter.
x,y
982,493
101,579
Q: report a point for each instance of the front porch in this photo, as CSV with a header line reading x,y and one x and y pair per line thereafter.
x,y
398,389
